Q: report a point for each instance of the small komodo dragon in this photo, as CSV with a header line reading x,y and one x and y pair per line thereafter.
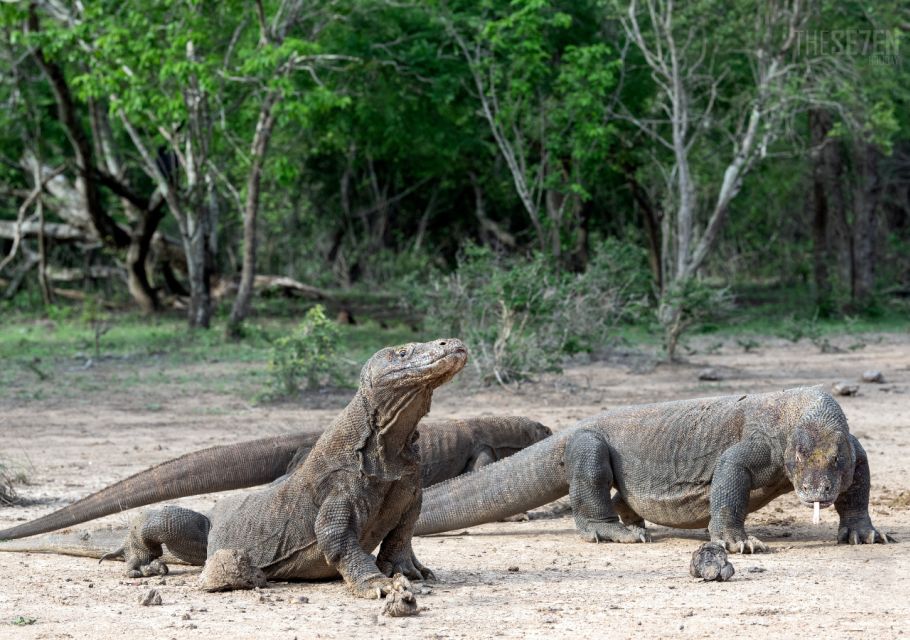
x,y
447,448
684,464
358,487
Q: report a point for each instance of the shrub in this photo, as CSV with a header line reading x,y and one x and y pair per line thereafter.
x,y
688,303
8,478
308,357
524,316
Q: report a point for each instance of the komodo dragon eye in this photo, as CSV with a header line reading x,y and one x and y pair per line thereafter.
x,y
402,353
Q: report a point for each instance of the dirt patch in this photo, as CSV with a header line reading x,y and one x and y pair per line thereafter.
x,y
806,587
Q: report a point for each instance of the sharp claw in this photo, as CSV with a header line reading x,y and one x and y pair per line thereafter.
x,y
854,537
742,547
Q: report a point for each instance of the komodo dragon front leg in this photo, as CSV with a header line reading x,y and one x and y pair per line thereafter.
x,y
853,505
590,476
339,530
745,467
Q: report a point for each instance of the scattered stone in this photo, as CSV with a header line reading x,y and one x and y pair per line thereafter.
x,y
756,569
299,600
873,376
400,602
513,569
709,562
710,375
845,388
151,599
186,616
229,569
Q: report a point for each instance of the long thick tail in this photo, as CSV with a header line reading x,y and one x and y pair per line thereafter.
x,y
214,469
85,544
530,478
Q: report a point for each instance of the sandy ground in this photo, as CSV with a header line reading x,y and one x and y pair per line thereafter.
x,y
806,587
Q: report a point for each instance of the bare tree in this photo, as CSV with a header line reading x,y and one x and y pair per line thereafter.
x,y
689,78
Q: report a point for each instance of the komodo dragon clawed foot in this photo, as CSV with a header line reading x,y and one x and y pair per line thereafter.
x,y
862,532
740,543
408,566
378,586
612,532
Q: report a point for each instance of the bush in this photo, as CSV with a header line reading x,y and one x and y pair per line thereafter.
x,y
524,316
8,478
688,303
307,357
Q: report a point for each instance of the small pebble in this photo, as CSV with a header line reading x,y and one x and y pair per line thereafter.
x,y
152,598
845,388
873,376
513,569
711,375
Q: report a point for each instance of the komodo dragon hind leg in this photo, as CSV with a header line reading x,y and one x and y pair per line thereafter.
x,y
184,532
626,514
590,476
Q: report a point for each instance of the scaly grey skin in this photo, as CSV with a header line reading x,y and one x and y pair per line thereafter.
x,y
686,464
359,487
447,448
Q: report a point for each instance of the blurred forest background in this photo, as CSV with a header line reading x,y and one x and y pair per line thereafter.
x,y
538,177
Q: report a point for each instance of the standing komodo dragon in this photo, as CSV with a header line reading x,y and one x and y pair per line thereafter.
x,y
447,449
683,464
358,487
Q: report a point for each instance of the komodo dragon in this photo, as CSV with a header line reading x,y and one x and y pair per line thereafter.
x,y
447,449
358,487
684,464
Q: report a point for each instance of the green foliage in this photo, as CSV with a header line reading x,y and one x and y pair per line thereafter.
x,y
309,356
22,621
520,317
689,303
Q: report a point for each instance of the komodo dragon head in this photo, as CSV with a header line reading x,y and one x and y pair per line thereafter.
x,y
819,457
398,382
418,364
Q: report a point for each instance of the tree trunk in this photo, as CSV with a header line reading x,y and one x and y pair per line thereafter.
x,y
137,257
865,213
241,307
651,218
819,126
46,292
200,310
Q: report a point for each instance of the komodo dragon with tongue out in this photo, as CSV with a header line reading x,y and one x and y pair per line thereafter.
x,y
684,464
447,449
358,487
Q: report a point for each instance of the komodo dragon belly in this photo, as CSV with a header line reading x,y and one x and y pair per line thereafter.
x,y
689,507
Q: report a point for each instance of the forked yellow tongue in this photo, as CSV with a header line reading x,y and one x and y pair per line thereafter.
x,y
816,513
